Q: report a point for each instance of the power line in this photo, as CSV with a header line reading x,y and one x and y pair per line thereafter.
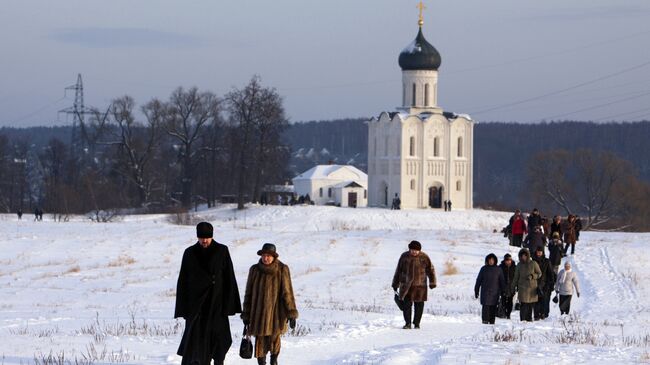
x,y
556,92
39,110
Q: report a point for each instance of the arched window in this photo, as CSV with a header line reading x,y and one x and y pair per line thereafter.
x,y
404,94
412,146
413,184
413,96
436,147
458,185
320,192
386,147
460,147
426,94
329,192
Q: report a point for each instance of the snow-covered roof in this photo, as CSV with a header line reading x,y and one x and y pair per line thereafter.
x,y
349,183
324,171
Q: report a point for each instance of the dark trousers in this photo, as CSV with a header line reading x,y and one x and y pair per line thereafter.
x,y
542,307
573,248
419,309
517,239
489,313
565,304
526,312
507,304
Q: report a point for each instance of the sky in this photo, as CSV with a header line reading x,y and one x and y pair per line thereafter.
x,y
502,60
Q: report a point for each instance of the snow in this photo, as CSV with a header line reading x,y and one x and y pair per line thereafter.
x,y
79,288
324,172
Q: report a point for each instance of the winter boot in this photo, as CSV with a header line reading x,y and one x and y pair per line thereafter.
x,y
261,360
407,327
274,359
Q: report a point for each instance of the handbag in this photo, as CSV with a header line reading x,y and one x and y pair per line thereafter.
x,y
555,299
399,301
246,346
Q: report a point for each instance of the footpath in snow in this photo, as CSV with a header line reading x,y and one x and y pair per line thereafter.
x,y
105,291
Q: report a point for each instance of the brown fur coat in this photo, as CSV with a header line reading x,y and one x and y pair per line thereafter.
x,y
268,301
411,276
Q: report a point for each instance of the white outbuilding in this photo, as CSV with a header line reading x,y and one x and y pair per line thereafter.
x,y
340,185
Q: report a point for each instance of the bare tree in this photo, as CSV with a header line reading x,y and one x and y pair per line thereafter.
x,y
136,143
186,115
584,182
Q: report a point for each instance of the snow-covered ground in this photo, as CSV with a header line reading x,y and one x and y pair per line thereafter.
x,y
105,291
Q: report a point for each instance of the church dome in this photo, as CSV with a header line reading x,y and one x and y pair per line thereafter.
x,y
419,55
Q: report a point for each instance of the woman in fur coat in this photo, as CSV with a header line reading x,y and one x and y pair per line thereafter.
x,y
268,304
490,284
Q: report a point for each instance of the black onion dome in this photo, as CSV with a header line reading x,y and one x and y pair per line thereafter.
x,y
419,55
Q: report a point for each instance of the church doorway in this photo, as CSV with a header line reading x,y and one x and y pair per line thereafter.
x,y
384,193
435,197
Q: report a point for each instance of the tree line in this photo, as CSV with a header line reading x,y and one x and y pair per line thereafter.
x,y
193,148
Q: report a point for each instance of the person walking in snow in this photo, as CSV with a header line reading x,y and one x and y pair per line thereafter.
x,y
570,235
518,228
544,284
206,294
410,282
556,226
535,239
555,251
490,284
567,280
508,269
527,273
534,219
269,304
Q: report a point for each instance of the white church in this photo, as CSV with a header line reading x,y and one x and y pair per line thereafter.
x,y
419,152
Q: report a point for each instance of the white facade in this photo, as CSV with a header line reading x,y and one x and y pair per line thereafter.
x,y
419,152
333,184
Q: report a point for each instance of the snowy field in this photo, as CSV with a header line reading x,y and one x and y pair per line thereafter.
x,y
104,292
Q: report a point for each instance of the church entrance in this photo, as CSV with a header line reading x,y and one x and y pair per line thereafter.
x,y
384,194
435,197
352,200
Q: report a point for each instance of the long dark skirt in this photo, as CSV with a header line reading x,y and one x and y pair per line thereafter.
x,y
565,304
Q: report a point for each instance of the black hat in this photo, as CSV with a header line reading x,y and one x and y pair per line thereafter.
x,y
204,230
539,249
415,245
268,249
507,256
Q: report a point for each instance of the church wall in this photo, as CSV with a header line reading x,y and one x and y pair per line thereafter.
x,y
420,78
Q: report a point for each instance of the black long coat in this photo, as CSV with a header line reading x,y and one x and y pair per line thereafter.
x,y
490,282
508,275
556,251
547,280
206,294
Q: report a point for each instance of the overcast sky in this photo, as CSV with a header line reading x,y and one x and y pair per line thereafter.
x,y
506,60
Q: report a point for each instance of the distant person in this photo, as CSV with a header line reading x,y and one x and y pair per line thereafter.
x,y
555,251
535,239
19,213
527,273
449,205
410,282
508,269
534,219
518,229
446,205
269,304
578,227
396,202
570,235
545,284
567,280
489,286
556,226
206,294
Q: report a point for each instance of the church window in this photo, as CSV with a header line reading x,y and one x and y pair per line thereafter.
x,y
320,192
374,147
460,147
365,194
386,147
458,185
413,96
436,147
412,146
329,192
413,184
426,95
404,94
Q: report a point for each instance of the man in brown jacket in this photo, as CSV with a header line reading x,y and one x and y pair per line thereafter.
x,y
268,304
410,281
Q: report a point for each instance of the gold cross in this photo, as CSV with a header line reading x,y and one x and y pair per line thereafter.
x,y
421,18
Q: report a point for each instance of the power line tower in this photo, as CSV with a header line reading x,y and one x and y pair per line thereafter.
x,y
78,110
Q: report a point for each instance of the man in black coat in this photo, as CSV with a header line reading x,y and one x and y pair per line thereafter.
x,y
545,284
534,219
508,268
206,294
489,284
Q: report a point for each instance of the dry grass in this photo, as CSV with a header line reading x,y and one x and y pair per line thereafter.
x,y
339,225
450,267
73,270
122,260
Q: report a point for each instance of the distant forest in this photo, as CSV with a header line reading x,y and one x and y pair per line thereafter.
x,y
502,151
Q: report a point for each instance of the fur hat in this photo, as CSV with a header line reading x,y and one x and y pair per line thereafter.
x,y
268,249
556,234
507,256
204,230
415,245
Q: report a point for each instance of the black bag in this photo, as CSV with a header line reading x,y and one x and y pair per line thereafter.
x,y
517,306
246,347
399,302
556,299
501,308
